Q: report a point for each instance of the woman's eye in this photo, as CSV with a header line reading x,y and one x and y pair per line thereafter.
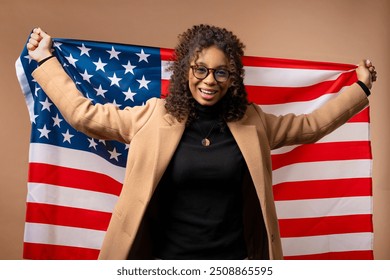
x,y
221,72
201,70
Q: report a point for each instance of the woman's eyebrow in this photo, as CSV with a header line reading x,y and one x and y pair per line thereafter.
x,y
206,65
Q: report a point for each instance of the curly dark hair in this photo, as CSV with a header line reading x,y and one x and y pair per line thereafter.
x,y
179,101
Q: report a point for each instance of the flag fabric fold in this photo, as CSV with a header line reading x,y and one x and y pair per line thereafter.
x,y
323,191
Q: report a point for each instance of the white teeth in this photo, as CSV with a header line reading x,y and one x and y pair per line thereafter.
x,y
208,91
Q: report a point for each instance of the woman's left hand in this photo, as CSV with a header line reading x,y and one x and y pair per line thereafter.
x,y
366,72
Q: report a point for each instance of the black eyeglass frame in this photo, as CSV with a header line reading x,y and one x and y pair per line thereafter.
x,y
217,78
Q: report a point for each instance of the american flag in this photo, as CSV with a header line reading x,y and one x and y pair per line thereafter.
x,y
323,191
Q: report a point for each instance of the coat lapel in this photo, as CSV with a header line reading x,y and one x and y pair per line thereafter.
x,y
248,141
169,136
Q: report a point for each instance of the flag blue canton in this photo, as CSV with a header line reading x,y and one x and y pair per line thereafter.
x,y
105,73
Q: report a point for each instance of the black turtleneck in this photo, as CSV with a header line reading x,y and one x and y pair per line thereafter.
x,y
199,214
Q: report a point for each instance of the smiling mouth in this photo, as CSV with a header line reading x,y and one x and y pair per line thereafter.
x,y
208,92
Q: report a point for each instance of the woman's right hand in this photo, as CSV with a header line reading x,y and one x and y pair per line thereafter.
x,y
366,72
39,45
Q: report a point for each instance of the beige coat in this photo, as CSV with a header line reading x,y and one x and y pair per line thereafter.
x,y
154,136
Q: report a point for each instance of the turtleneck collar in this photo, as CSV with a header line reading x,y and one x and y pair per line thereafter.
x,y
208,112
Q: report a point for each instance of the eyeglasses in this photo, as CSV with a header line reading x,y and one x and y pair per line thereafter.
x,y
201,72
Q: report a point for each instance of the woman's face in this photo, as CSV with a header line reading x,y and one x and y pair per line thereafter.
x,y
208,91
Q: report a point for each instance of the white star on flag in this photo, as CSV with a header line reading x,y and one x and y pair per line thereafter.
x,y
116,104
115,80
33,118
67,136
100,91
100,65
36,91
84,50
92,143
143,56
113,53
129,68
86,76
57,45
57,121
29,58
114,154
129,94
44,132
46,104
71,60
143,82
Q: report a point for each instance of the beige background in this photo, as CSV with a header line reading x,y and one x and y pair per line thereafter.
x,y
331,30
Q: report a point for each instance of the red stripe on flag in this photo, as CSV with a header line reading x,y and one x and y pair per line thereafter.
x,y
346,255
67,216
363,116
164,88
267,95
323,189
57,252
73,178
292,63
166,54
323,152
325,225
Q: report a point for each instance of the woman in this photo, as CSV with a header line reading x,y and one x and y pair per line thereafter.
x,y
182,197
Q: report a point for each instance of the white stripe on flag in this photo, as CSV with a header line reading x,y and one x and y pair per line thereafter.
x,y
287,77
310,208
70,197
165,74
297,108
62,235
327,243
345,133
49,154
323,170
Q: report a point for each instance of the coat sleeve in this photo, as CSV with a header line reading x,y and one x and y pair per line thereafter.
x,y
98,121
291,129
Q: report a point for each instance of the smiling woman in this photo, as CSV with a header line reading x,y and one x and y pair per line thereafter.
x,y
209,47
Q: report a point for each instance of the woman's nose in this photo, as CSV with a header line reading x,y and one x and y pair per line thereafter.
x,y
210,79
